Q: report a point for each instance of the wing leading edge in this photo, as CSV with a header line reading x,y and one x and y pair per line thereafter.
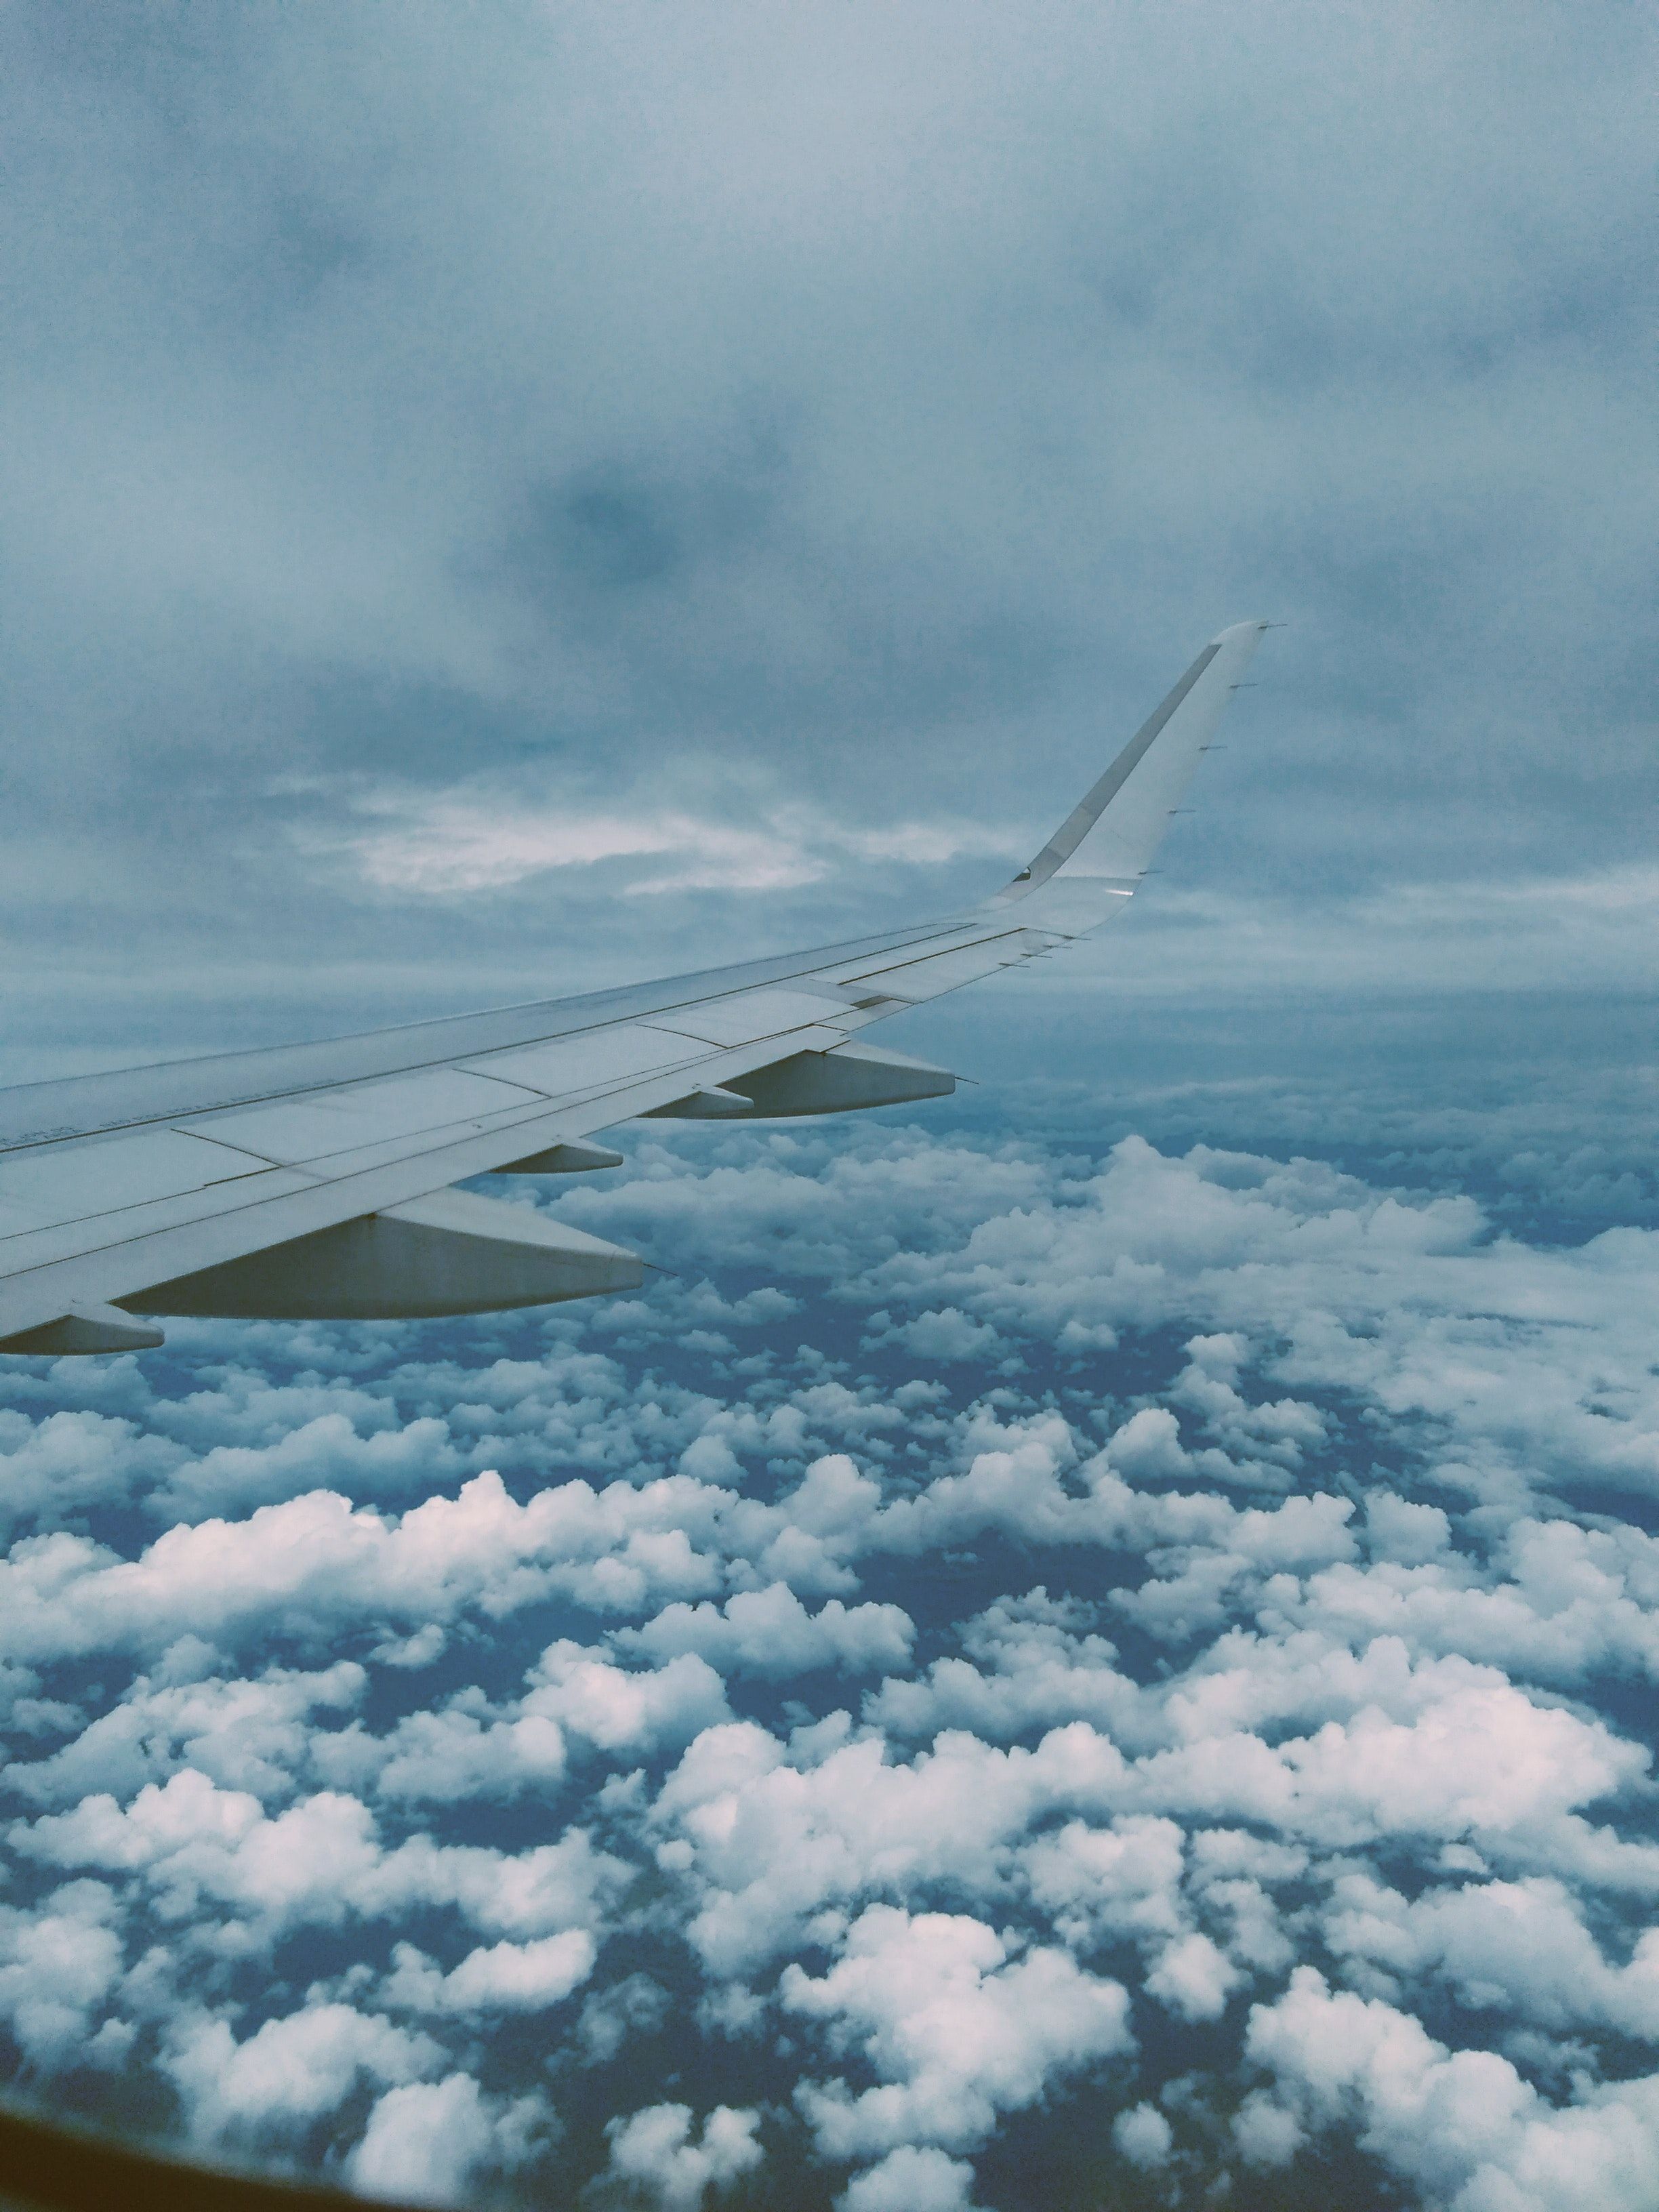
x,y
313,1180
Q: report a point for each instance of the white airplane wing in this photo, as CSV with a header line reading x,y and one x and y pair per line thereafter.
x,y
314,1181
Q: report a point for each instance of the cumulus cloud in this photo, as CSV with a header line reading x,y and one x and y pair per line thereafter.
x,y
1192,1978
58,1967
911,2178
1144,2136
319,1863
249,1734
618,1709
772,1842
1463,2125
955,2030
426,2140
501,1977
308,1563
447,1756
947,1335
769,1633
654,2153
290,2069
1518,1949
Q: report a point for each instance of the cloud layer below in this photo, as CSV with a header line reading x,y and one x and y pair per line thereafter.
x,y
1010,1674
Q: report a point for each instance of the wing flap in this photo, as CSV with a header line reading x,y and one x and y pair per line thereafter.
x,y
37,1192
115,1256
452,1253
295,1131
913,981
568,1067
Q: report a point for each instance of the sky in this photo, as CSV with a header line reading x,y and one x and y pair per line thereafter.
x,y
1090,1643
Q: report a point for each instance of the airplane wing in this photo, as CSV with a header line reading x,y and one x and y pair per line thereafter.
x,y
314,1181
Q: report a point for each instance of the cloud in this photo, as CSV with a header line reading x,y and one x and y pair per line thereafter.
x,y
426,2140
449,844
1480,1756
1519,1949
955,2030
634,2005
1022,1667
314,1559
324,1451
1283,344
58,1967
946,1336
289,2070
911,2179
936,1757
772,1844
501,1977
59,1465
1144,2136
447,1756
242,1734
1125,1879
618,1710
319,1863
769,1633
1193,1978
1463,2124
653,2153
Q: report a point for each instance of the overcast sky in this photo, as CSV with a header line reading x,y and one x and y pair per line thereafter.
x,y
499,499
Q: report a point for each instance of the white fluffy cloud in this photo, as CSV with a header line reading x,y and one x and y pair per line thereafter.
x,y
59,1965
1463,2125
911,2178
307,1564
447,1756
425,2140
501,1977
769,1633
654,2152
316,1863
290,2069
618,1709
955,2030
1144,2136
1518,1949
240,1734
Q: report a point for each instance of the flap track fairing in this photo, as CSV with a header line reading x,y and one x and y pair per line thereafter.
x,y
454,1253
846,1078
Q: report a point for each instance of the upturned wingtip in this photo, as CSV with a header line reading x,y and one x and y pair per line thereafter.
x,y
1236,631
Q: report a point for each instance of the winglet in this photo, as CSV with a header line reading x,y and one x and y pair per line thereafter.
x,y
1111,836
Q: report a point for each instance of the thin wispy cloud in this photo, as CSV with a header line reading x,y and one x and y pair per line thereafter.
x,y
445,846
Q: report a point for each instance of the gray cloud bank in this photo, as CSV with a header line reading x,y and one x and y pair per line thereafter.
x,y
460,468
